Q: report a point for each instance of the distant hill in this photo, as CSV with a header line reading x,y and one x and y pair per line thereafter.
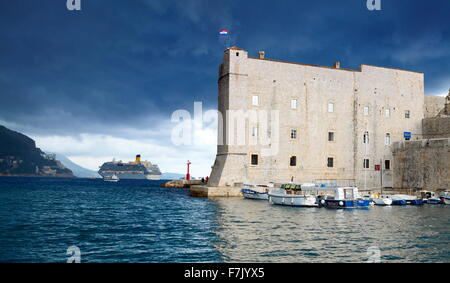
x,y
19,156
77,170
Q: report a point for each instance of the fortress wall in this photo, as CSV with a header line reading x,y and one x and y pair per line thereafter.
x,y
433,104
438,127
423,164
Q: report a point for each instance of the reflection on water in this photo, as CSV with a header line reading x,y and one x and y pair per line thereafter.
x,y
255,231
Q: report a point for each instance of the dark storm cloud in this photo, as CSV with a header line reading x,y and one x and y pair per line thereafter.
x,y
129,64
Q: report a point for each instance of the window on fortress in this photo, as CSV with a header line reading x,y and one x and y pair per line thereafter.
x,y
366,163
294,104
366,137
330,136
330,162
255,100
407,114
387,112
293,134
255,131
366,110
387,139
254,159
387,165
330,107
293,161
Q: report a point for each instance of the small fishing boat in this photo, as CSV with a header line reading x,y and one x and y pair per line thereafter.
x,y
344,197
257,192
111,178
295,195
430,197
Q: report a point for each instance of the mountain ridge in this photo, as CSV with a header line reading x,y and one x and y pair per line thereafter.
x,y
19,156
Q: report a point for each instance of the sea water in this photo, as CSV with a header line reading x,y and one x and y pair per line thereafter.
x,y
137,221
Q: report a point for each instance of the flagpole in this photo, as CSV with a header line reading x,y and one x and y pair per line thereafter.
x,y
227,39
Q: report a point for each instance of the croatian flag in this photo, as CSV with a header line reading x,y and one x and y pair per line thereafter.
x,y
223,32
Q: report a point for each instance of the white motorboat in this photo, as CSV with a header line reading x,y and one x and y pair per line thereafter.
x,y
383,200
295,195
111,178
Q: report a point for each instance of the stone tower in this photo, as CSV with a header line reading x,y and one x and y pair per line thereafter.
x,y
333,126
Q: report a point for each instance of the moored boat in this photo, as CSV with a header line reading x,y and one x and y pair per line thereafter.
x,y
255,192
400,199
345,197
295,195
430,197
383,200
445,197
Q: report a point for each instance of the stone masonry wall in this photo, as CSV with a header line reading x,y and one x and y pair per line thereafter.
x,y
433,105
436,128
422,165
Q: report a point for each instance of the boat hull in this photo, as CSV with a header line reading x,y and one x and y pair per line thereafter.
x,y
132,176
399,202
415,202
382,201
433,201
332,203
293,200
251,194
446,201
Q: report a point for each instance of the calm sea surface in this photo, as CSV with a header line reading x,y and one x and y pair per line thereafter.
x,y
136,221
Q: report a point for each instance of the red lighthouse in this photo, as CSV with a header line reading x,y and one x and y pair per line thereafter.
x,y
188,175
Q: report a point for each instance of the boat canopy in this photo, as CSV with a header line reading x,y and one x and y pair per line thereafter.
x,y
291,186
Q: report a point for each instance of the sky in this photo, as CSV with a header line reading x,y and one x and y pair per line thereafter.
x,y
103,82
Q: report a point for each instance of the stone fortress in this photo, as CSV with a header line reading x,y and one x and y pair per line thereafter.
x,y
371,127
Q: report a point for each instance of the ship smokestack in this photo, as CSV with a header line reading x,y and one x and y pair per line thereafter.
x,y
138,158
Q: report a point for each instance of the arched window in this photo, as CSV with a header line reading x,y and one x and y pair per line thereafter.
x,y
387,139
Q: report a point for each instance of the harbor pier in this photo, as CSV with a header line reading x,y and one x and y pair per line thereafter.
x,y
206,191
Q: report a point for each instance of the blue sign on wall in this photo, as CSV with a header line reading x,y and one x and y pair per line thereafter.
x,y
407,135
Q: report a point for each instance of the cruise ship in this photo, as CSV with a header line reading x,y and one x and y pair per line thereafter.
x,y
131,170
